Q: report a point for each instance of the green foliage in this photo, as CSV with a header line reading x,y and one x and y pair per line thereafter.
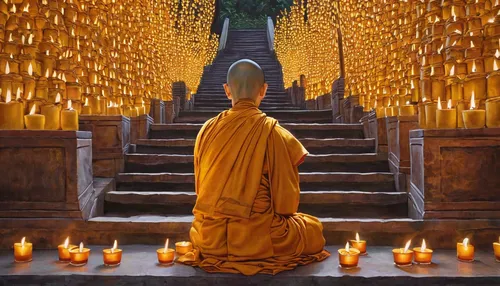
x,y
251,13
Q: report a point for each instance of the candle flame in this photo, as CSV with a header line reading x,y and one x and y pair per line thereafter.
x,y
70,105
58,98
449,104
115,246
66,242
18,93
473,101
23,241
81,247
453,14
495,65
497,54
347,247
30,69
472,44
357,237
33,109
47,73
424,246
466,242
457,31
7,68
412,85
452,70
26,8
474,68
424,99
29,95
166,246
440,49
8,96
407,246
86,101
432,70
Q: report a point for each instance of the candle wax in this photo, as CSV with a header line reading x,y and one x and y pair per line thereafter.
x,y
11,116
52,115
465,254
23,253
446,119
86,110
165,257
79,258
402,258
474,118
423,257
112,258
430,115
359,245
34,121
183,247
496,249
69,119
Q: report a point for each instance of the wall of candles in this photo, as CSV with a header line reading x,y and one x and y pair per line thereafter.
x,y
99,54
413,52
306,42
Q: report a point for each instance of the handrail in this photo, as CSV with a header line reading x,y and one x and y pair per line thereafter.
x,y
270,33
224,34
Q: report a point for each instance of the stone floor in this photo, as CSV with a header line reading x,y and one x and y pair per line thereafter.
x,y
139,267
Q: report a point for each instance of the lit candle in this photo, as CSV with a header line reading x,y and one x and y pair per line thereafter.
x,y
407,109
79,255
23,252
52,114
114,109
446,118
141,110
112,256
423,255
430,115
86,109
165,255
496,249
379,111
465,251
183,247
64,249
34,121
359,244
69,118
474,118
348,257
11,113
403,256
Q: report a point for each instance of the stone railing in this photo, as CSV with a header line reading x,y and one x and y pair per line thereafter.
x,y
223,35
270,33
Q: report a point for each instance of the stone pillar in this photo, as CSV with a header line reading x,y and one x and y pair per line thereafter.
x,y
139,127
46,174
111,135
158,111
337,101
169,112
454,174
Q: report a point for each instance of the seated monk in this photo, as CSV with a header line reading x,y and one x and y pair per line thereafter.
x,y
247,186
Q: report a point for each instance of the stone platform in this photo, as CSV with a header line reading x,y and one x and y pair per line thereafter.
x,y
139,267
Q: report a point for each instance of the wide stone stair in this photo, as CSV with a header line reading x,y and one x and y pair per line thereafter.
x,y
342,178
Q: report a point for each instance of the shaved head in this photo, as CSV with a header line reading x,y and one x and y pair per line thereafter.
x,y
245,79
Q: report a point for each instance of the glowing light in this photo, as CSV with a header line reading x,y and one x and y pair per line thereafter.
x,y
407,246
66,242
424,246
347,249
166,246
473,101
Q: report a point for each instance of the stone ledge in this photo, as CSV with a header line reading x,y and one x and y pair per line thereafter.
x,y
483,132
139,267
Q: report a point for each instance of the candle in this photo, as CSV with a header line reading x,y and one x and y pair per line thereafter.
x,y
69,118
446,118
430,115
34,121
465,251
112,256
64,249
165,255
403,256
114,109
52,114
86,109
359,244
11,113
348,257
423,255
407,109
79,256
421,114
183,247
493,112
474,118
23,252
141,110
496,249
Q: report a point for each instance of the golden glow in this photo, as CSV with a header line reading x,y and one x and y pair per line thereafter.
x,y
66,242
33,109
166,246
473,101
347,247
23,241
357,234
424,246
466,243
115,246
407,246
81,247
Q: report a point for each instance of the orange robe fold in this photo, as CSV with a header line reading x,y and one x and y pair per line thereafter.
x,y
247,186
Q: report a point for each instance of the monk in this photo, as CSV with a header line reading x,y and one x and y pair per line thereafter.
x,y
247,186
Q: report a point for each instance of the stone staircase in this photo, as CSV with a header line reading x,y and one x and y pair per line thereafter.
x,y
342,178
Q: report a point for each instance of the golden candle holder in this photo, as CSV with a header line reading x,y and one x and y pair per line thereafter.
x,y
23,251
403,257
465,251
348,257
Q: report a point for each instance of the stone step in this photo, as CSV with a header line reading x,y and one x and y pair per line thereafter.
x,y
325,181
320,204
283,116
153,230
227,104
161,163
300,130
315,146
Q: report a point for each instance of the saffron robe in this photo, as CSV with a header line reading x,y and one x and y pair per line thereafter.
x,y
247,186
